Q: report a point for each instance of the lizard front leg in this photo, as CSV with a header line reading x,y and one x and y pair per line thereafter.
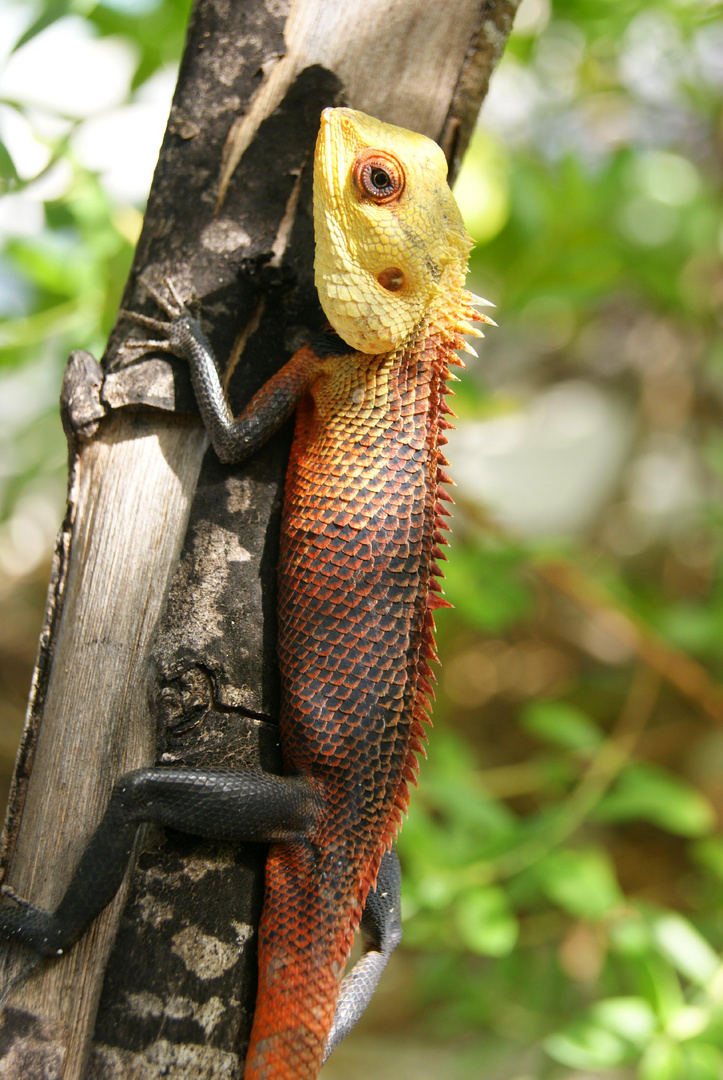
x,y
233,438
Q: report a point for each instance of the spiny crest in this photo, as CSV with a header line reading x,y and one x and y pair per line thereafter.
x,y
453,320
464,310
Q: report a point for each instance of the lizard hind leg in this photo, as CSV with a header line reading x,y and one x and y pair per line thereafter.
x,y
381,928
217,803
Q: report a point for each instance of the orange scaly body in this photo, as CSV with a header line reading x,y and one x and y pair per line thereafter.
x,y
358,584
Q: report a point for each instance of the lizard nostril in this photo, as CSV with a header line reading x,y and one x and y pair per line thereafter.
x,y
392,279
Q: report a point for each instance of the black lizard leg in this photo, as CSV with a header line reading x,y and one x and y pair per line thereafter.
x,y
215,803
234,438
381,928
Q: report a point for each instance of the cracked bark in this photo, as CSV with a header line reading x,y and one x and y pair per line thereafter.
x,y
158,641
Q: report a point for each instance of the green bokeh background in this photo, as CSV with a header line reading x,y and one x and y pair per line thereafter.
x,y
562,860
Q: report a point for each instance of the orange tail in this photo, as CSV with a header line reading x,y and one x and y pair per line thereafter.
x,y
307,928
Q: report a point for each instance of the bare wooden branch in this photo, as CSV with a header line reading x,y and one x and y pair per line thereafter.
x,y
95,717
161,607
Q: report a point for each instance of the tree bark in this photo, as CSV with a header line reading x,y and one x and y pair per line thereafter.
x,y
159,637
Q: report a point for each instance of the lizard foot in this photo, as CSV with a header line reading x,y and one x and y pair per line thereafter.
x,y
174,309
178,331
9,892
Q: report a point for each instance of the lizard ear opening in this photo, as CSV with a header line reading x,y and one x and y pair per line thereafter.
x,y
392,279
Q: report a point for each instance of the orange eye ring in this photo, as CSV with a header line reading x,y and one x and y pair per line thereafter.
x,y
378,176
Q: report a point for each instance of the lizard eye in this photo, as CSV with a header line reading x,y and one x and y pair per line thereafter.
x,y
378,176
379,179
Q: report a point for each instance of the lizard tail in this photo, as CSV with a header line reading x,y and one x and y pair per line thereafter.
x,y
305,938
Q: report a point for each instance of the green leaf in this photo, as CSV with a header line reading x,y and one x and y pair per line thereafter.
x,y
662,985
692,627
689,1022
486,923
481,189
8,173
703,1061
586,1045
49,14
652,794
611,1033
662,1060
630,935
686,949
561,724
709,853
632,1018
581,882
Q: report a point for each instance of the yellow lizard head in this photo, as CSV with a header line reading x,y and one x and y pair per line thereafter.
x,y
389,236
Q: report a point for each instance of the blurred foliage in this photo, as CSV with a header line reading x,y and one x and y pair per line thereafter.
x,y
563,871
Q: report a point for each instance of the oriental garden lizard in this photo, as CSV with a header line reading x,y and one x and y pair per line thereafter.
x,y
358,581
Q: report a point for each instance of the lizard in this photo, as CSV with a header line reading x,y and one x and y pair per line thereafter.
x,y
363,531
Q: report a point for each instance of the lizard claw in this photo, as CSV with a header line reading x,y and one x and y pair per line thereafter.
x,y
170,285
173,307
9,891
148,344
177,312
143,320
